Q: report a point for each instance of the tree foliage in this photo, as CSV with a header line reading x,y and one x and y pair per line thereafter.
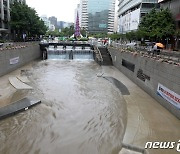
x,y
24,20
67,32
99,35
114,36
157,25
177,34
53,33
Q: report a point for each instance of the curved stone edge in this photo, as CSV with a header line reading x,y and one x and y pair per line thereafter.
x,y
19,106
18,84
23,79
118,84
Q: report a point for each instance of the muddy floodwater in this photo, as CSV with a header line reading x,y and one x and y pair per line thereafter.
x,y
80,113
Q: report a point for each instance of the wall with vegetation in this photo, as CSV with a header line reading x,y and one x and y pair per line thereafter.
x,y
148,73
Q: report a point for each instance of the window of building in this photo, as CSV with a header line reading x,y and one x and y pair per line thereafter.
x,y
143,14
148,5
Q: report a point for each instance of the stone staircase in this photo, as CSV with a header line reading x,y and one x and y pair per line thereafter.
x,y
107,60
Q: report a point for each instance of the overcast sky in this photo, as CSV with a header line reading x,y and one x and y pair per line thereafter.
x,y
62,9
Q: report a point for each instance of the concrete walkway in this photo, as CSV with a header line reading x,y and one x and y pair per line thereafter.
x,y
18,84
8,93
147,119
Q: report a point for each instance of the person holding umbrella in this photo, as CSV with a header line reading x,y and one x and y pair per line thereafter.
x,y
157,47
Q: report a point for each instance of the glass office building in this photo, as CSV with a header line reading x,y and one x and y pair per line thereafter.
x,y
98,15
130,13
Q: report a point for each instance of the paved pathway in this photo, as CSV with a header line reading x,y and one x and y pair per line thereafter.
x,y
8,93
147,119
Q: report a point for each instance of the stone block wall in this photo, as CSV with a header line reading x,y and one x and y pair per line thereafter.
x,y
11,59
148,73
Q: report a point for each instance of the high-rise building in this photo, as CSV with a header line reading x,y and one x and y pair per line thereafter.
x,y
63,24
22,1
4,16
47,22
83,14
97,15
130,13
60,24
53,21
174,7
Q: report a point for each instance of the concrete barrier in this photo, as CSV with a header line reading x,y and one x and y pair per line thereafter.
x,y
11,59
151,75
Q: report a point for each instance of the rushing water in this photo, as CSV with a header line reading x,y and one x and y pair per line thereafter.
x,y
80,113
77,55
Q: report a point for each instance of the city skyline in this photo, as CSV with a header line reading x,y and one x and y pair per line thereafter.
x,y
64,11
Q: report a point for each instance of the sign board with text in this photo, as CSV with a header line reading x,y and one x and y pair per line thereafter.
x,y
102,26
169,95
13,61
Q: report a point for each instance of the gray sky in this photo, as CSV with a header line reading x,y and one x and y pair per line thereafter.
x,y
62,9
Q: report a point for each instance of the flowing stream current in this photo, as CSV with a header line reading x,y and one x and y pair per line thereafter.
x,y
80,113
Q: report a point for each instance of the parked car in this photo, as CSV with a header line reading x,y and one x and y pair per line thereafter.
x,y
131,45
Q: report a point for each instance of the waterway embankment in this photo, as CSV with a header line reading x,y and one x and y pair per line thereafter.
x,y
12,58
157,78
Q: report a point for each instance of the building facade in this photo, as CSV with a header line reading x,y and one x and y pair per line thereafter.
x,y
5,15
174,7
63,24
47,22
130,13
53,21
22,1
60,24
97,15
83,14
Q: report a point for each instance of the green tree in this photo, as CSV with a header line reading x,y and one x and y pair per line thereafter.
x,y
132,36
157,25
83,32
177,38
24,20
99,35
53,33
68,31
114,36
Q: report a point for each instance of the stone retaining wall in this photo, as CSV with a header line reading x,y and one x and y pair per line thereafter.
x,y
11,59
147,73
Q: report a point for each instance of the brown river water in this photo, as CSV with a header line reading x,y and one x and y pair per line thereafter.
x,y
80,113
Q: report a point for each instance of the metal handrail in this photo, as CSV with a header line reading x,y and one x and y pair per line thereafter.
x,y
101,58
